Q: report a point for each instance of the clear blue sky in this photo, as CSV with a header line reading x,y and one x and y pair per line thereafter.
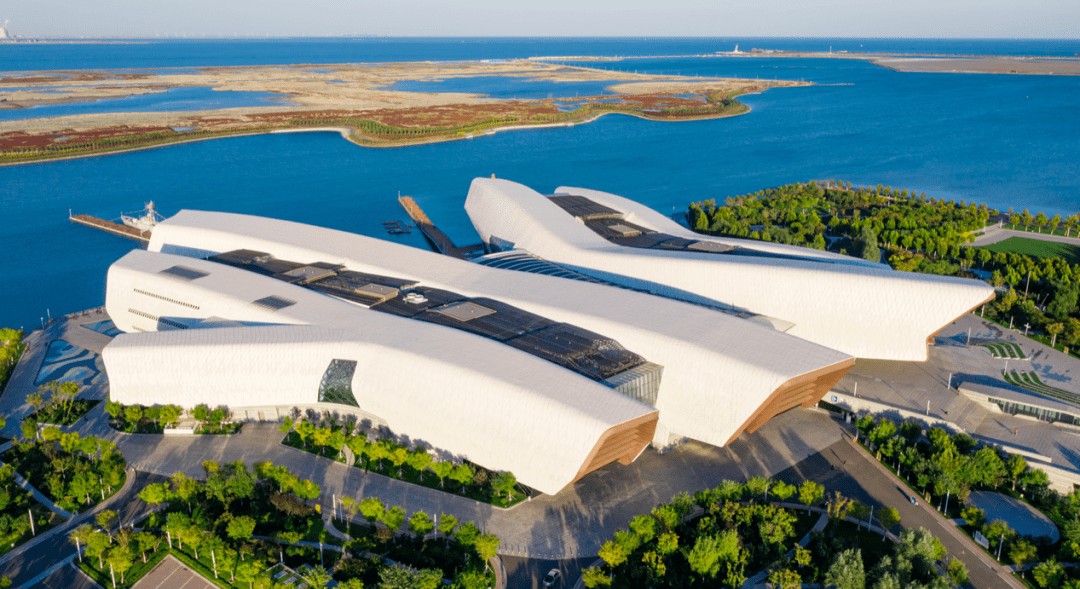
x,y
712,18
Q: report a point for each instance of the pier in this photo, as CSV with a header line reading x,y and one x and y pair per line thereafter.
x,y
109,226
439,240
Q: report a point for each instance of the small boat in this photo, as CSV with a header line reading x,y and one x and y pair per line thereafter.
x,y
146,221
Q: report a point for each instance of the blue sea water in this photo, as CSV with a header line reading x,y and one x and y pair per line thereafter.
x,y
220,52
1004,140
173,99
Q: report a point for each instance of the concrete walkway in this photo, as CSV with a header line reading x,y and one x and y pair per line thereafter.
x,y
40,497
994,234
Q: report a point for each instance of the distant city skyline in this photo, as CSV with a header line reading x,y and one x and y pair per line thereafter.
x,y
1035,19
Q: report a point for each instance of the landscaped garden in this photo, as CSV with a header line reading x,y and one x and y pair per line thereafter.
x,y
137,419
1005,350
74,472
56,403
723,536
1031,382
387,457
17,507
944,468
237,525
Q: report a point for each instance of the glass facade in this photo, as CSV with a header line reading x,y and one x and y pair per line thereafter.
x,y
641,383
1013,408
336,385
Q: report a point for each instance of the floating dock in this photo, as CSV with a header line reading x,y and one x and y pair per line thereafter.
x,y
439,240
110,227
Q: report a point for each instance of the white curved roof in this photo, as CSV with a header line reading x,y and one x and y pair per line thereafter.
x,y
860,308
471,396
719,370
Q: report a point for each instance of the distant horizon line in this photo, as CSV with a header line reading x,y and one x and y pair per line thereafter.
x,y
605,37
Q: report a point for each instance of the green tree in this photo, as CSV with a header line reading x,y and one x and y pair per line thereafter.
x,y
867,245
782,491
393,518
447,523
1049,574
419,461
614,553
487,546
155,493
372,509
442,470
504,482
420,524
973,516
888,517
121,560
462,474
1015,466
784,578
170,414
317,577
241,528
398,576
595,578
704,557
847,571
811,493
1023,552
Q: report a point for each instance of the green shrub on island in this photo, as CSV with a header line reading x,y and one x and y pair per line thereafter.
x,y
137,419
55,403
388,457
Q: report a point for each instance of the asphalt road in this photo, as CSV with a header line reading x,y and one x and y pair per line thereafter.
x,y
846,468
23,567
528,573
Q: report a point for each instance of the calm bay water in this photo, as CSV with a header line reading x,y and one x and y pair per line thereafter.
x,y
173,99
1004,140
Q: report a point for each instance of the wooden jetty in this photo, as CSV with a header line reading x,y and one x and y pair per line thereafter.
x,y
109,226
439,240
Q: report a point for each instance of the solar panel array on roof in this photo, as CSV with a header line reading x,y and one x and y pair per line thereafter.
x,y
571,347
583,208
581,350
609,224
506,322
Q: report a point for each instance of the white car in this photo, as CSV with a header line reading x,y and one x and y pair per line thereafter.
x,y
552,578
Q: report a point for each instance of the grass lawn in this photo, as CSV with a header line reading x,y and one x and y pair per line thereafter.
x,y
1037,248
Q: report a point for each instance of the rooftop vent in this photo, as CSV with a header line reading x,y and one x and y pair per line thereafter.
x,y
624,231
274,303
184,273
464,311
377,291
306,274
709,246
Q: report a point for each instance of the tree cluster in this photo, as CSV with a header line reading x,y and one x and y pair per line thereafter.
x,y
721,536
137,419
73,471
387,456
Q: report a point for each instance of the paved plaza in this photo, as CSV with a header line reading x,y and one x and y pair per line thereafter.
x,y
908,386
173,574
1025,519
